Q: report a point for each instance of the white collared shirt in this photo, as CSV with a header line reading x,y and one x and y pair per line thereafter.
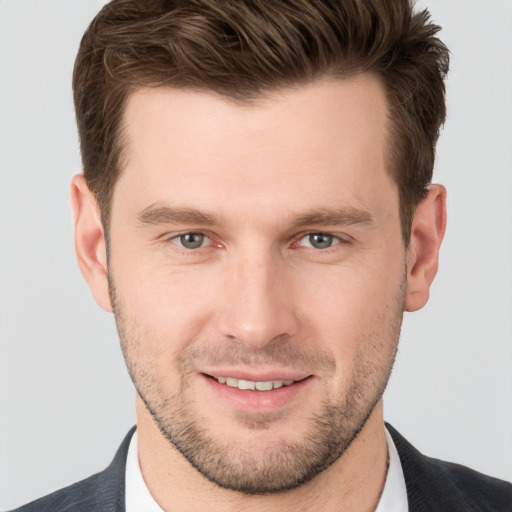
x,y
137,495
139,499
394,494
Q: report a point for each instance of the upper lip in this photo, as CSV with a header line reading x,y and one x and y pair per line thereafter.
x,y
257,376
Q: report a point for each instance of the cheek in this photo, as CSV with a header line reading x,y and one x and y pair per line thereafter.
x,y
355,308
165,307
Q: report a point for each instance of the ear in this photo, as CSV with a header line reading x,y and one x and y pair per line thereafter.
x,y
90,243
428,227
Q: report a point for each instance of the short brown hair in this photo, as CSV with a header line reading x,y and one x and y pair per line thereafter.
x,y
244,48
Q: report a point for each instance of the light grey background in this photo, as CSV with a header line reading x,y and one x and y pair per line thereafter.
x,y
65,398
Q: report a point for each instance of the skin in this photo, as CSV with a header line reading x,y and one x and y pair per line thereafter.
x,y
258,298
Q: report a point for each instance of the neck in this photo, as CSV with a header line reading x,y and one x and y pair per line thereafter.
x,y
353,483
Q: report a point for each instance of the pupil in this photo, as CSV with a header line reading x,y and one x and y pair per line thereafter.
x,y
320,240
192,240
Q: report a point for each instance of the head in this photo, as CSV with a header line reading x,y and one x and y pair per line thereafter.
x,y
262,170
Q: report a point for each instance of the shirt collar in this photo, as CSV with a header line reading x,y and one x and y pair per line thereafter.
x,y
394,494
137,496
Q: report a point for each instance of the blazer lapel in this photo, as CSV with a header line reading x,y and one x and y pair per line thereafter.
x,y
109,492
437,485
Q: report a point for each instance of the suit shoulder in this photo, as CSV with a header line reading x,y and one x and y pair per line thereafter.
x,y
433,484
493,493
75,497
102,492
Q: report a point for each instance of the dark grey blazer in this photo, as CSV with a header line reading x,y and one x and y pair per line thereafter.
x,y
432,486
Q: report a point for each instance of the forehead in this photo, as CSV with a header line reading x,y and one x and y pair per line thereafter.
x,y
296,143
325,108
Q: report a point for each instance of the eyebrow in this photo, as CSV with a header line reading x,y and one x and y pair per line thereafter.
x,y
334,217
157,214
161,214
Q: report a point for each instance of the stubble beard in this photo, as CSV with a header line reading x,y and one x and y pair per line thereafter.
x,y
282,466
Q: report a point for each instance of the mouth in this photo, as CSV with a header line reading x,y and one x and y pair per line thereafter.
x,y
267,385
259,394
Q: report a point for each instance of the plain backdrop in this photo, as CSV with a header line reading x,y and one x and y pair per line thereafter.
x,y
65,398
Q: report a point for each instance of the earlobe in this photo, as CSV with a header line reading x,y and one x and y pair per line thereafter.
x,y
428,228
90,243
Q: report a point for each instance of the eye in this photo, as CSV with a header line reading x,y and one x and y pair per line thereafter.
x,y
319,240
191,240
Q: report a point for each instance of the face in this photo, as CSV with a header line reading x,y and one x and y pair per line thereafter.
x,y
257,274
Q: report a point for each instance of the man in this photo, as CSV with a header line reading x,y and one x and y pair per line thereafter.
x,y
256,210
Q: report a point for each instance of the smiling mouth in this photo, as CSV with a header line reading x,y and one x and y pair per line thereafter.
x,y
250,385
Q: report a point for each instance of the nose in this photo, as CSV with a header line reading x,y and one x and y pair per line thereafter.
x,y
258,304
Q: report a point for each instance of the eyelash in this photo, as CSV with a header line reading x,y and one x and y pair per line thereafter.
x,y
337,241
183,250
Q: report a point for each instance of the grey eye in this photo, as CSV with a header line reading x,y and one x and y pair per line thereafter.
x,y
319,240
191,240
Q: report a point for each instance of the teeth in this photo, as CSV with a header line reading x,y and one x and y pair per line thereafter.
x,y
232,382
264,386
246,384
251,385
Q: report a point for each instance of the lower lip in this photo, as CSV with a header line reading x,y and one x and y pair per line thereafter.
x,y
249,401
